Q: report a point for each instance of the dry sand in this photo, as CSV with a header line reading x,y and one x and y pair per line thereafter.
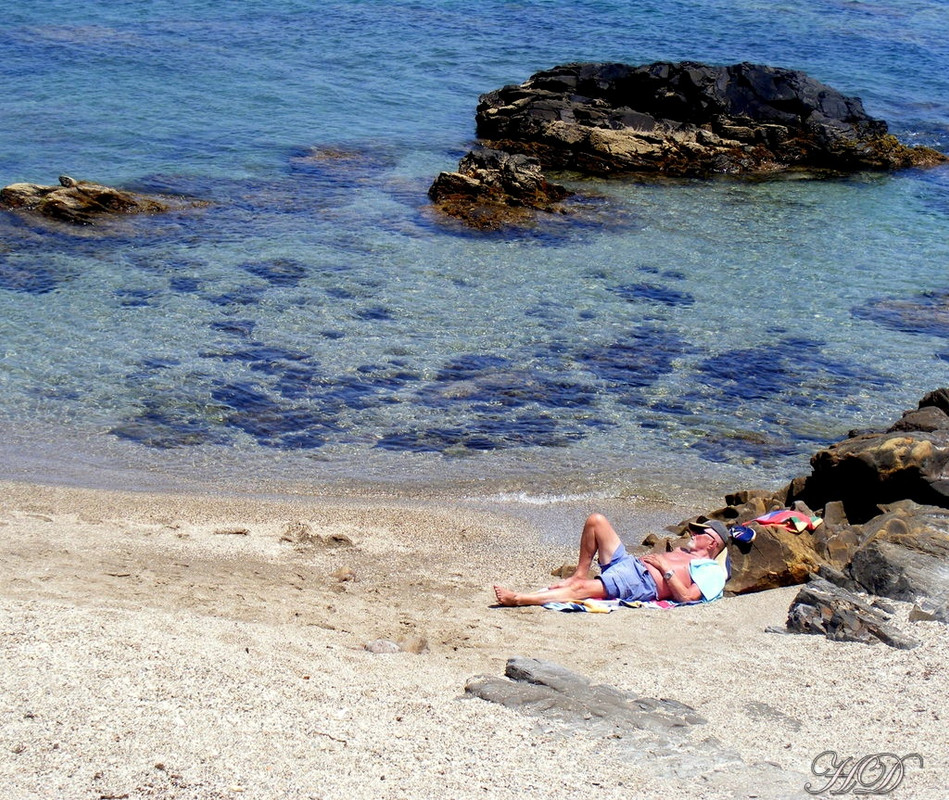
x,y
180,647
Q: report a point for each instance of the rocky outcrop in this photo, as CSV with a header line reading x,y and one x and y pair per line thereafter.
x,y
909,461
541,687
688,119
843,616
680,119
884,502
664,736
777,557
493,189
76,202
905,555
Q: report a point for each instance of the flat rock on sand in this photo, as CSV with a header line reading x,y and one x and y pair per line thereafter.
x,y
145,654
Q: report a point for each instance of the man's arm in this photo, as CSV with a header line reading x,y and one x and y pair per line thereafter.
x,y
681,591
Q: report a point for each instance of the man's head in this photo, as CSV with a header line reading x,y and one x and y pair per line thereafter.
x,y
715,530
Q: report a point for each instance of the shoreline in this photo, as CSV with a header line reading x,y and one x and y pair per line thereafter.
x,y
194,646
63,454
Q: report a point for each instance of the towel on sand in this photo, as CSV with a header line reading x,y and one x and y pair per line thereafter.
x,y
606,606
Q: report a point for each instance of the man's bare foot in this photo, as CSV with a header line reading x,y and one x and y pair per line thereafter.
x,y
505,596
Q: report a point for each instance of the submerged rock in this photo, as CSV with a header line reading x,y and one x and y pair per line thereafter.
x,y
77,202
689,119
927,313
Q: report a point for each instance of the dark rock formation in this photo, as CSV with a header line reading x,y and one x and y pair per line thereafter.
x,y
909,461
677,119
905,554
76,202
492,189
688,119
832,611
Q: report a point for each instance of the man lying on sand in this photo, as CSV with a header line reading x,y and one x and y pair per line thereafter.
x,y
654,576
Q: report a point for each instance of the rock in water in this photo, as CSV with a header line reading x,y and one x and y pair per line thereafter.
x,y
76,202
492,189
688,119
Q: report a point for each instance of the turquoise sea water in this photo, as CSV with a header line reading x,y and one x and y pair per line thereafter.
x,y
313,324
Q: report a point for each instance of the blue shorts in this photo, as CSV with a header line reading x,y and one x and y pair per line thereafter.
x,y
626,578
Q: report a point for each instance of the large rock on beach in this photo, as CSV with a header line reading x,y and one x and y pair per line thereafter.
x,y
492,189
76,202
883,498
779,558
544,688
908,461
660,733
905,555
823,608
688,119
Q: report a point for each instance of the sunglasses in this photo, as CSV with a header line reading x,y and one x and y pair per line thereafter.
x,y
708,532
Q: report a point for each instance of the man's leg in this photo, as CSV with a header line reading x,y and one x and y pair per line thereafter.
x,y
598,539
591,588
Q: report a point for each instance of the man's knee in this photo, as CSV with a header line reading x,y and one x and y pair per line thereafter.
x,y
597,520
590,589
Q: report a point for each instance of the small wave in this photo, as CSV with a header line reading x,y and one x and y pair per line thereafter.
x,y
526,498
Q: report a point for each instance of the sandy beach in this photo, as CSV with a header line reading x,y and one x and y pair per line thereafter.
x,y
157,645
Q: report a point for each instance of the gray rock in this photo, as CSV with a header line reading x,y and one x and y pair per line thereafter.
x,y
906,557
838,578
820,607
536,686
662,733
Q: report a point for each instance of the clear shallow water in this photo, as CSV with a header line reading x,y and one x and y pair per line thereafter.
x,y
314,325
